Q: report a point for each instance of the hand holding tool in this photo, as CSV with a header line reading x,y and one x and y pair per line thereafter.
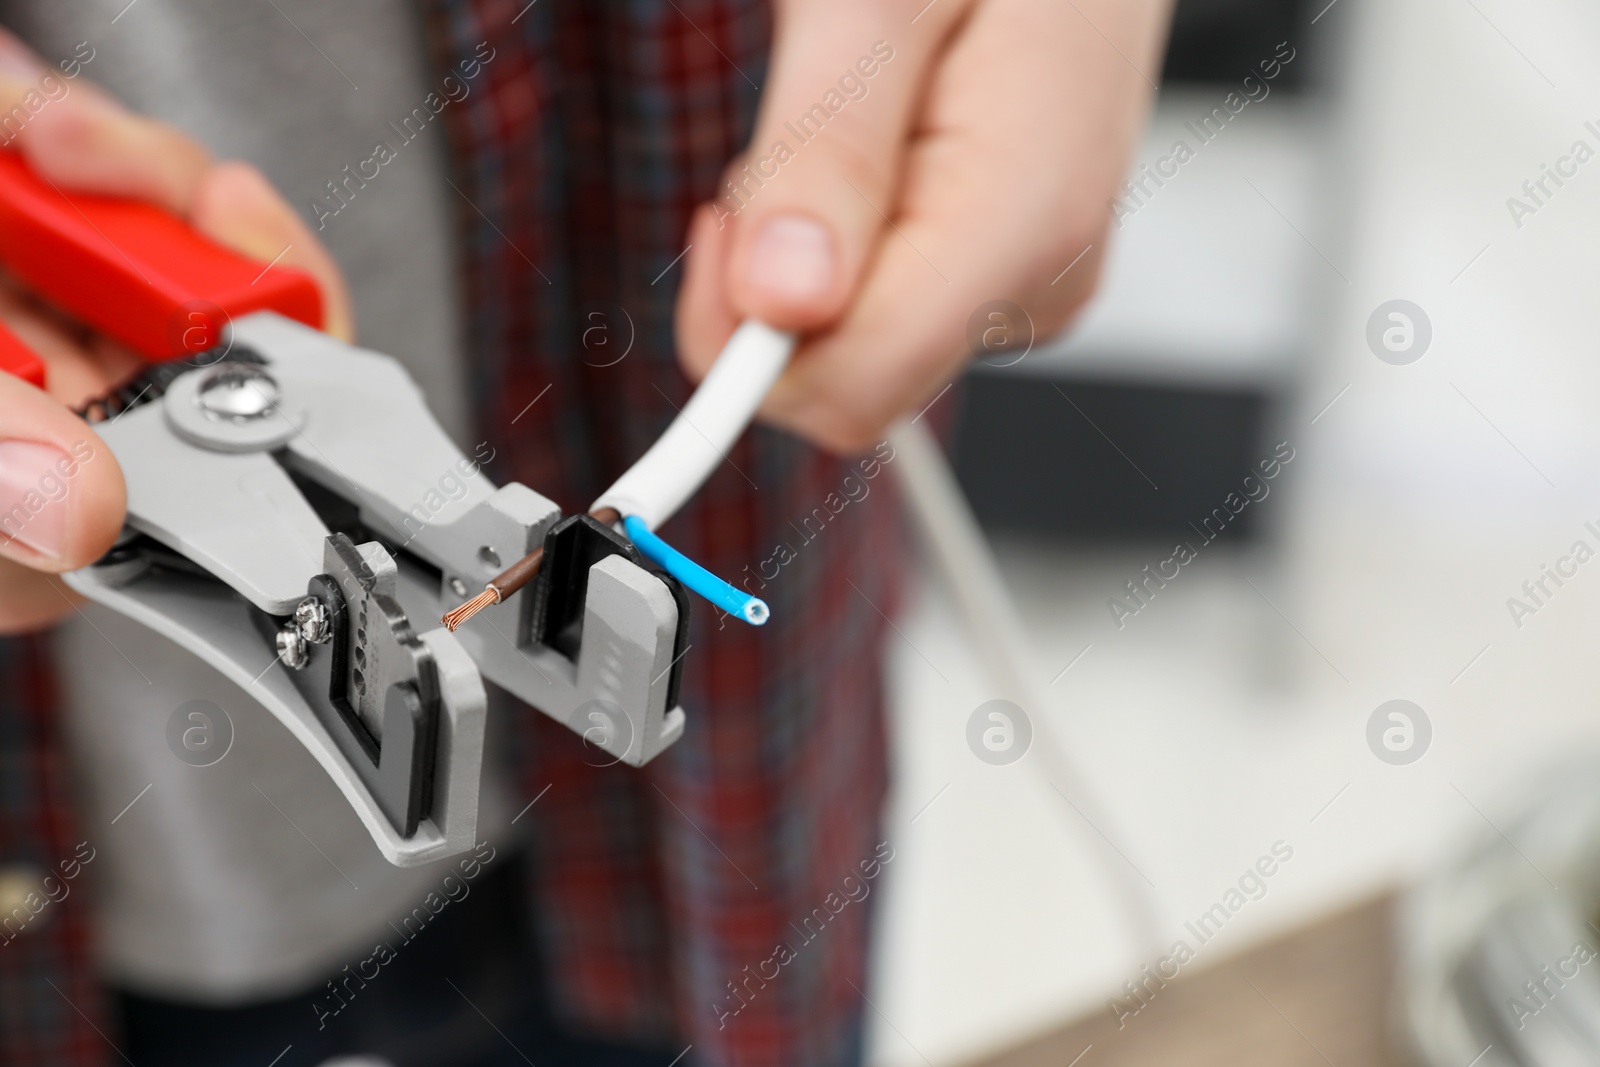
x,y
293,509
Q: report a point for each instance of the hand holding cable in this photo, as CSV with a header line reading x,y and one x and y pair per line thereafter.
x,y
907,167
935,189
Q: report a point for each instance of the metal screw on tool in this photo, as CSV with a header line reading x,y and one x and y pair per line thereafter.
x,y
292,647
237,392
312,622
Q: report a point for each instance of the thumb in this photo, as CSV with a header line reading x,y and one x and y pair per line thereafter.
x,y
820,178
61,490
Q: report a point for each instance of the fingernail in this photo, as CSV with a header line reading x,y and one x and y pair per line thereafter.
x,y
16,61
33,505
793,258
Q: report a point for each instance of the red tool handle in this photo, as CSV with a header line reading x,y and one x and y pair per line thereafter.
x,y
18,359
132,271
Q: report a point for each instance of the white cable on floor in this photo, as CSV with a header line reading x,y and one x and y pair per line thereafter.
x,y
967,565
699,438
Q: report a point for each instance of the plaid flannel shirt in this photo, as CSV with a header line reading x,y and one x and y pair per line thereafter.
x,y
677,902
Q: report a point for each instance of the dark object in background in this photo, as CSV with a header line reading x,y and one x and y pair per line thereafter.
x,y
1036,455
1216,41
1031,464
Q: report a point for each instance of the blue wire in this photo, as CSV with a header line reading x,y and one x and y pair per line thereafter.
x,y
737,602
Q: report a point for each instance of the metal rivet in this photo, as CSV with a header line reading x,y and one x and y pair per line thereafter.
x,y
237,392
291,647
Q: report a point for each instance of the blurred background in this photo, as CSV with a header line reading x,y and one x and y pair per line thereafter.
x,y
1337,273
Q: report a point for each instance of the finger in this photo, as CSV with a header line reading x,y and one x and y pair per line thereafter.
x,y
905,336
913,326
74,371
61,491
705,320
31,600
823,166
992,208
80,138
236,206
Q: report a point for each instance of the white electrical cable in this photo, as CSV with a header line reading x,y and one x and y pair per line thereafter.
x,y
699,438
697,441
994,627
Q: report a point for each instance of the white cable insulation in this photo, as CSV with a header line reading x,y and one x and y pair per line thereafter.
x,y
994,627
698,440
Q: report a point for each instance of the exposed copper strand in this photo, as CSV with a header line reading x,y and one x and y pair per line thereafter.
x,y
456,616
500,586
512,579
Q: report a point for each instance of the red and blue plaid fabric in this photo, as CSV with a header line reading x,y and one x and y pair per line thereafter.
x,y
50,1004
661,894
597,128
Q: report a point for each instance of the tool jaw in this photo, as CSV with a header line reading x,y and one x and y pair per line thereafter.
x,y
615,692
210,620
318,473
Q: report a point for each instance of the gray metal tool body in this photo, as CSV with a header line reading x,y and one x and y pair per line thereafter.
x,y
233,476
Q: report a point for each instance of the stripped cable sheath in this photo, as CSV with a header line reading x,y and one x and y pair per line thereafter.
x,y
669,473
698,440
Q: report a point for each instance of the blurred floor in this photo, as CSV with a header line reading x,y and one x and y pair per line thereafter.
x,y
1312,997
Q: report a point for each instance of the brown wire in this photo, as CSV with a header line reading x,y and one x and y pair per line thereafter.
x,y
511,579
